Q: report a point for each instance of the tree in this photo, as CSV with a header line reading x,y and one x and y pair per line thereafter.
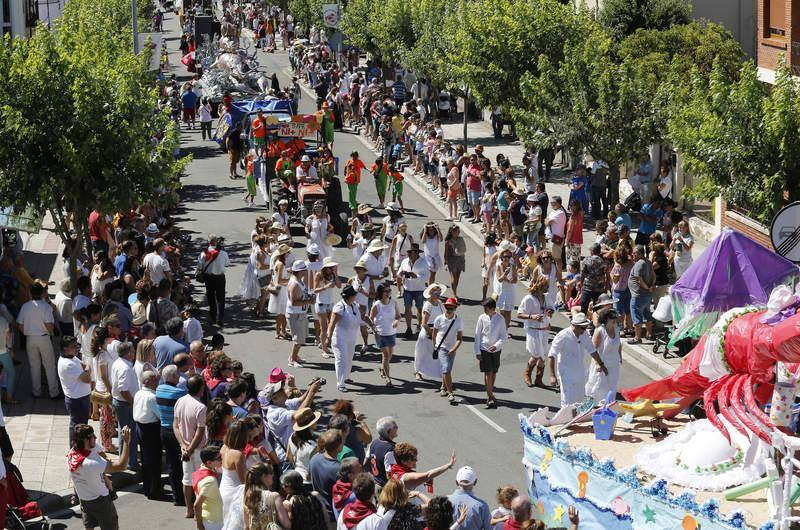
x,y
307,12
741,139
356,24
624,17
79,122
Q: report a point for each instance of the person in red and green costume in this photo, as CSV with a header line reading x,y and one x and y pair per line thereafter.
x,y
327,124
352,177
380,170
284,168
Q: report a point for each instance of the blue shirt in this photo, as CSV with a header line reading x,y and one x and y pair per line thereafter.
x,y
624,219
189,99
479,517
166,396
166,349
119,264
239,412
645,226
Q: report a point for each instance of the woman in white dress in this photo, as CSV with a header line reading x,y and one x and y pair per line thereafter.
x,y
535,314
424,363
255,506
343,334
249,288
398,250
681,246
389,225
281,217
607,342
385,316
431,239
318,228
489,249
505,284
233,470
278,297
324,282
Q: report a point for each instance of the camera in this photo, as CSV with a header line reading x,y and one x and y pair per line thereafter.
x,y
322,381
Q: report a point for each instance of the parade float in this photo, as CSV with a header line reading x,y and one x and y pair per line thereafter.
x,y
712,446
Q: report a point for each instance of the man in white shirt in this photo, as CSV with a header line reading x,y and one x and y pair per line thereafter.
x,y
88,466
212,262
156,264
567,355
76,379
36,322
490,335
375,260
63,304
556,228
148,429
124,386
412,275
448,333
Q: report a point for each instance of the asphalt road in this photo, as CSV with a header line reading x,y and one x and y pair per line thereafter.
x,y
487,440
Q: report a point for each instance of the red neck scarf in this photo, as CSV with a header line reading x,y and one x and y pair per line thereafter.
x,y
341,494
248,449
75,458
398,470
513,524
357,511
201,474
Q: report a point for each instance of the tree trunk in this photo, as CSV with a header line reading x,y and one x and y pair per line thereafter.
x,y
466,120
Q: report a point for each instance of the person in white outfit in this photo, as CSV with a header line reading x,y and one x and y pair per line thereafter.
x,y
606,341
36,322
535,314
431,239
324,282
385,317
318,228
568,352
278,297
505,284
448,334
490,335
343,334
424,363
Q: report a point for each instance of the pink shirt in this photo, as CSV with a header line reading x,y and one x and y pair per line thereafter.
x,y
191,415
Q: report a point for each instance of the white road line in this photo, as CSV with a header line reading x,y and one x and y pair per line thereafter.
x,y
485,418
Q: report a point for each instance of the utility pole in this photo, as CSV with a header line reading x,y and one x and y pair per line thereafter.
x,y
135,22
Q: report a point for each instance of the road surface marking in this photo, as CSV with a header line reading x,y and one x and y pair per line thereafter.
x,y
485,418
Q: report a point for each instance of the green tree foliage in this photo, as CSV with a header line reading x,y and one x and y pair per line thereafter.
x,y
624,17
742,139
357,24
307,12
79,125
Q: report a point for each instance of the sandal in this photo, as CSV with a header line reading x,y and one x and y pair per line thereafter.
x,y
418,376
634,341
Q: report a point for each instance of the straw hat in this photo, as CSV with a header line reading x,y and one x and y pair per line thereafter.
x,y
580,320
520,192
305,418
376,244
427,292
333,239
360,264
283,249
328,262
364,209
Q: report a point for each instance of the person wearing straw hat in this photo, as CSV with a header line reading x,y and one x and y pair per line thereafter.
x,y
278,298
535,314
385,317
297,310
343,334
411,277
375,260
365,290
425,364
360,240
390,223
448,334
324,282
361,218
567,353
401,242
319,227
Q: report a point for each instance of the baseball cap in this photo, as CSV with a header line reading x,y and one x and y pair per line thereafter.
x,y
466,476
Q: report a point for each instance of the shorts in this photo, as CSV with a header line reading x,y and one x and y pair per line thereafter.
x,y
473,197
323,309
452,193
446,360
100,512
387,341
640,308
556,250
413,296
298,325
190,467
188,113
397,188
259,141
490,361
622,302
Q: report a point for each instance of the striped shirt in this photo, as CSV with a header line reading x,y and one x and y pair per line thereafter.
x,y
166,396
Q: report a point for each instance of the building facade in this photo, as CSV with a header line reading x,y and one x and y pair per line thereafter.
x,y
778,36
18,17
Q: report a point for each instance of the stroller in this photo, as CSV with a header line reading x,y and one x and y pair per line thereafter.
x,y
662,331
22,513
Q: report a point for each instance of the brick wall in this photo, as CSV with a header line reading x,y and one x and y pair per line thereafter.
x,y
748,227
770,48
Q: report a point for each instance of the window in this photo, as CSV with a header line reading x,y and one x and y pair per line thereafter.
x,y
5,17
775,18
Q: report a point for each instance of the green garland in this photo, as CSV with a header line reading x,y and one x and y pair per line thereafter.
x,y
721,327
719,467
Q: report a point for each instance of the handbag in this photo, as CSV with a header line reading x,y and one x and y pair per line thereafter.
x,y
100,398
436,349
199,275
